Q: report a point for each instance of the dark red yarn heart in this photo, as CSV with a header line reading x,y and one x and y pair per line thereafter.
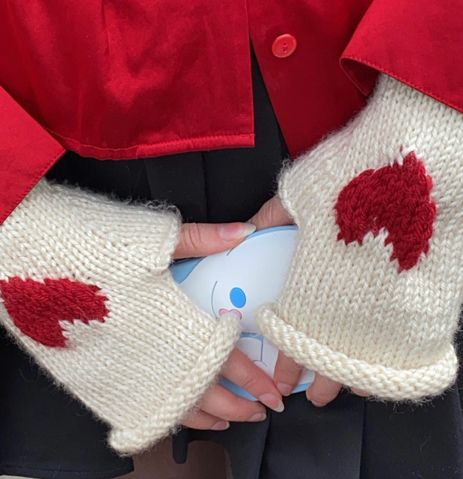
x,y
36,308
396,198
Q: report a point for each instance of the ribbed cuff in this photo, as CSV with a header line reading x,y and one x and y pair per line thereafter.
x,y
376,379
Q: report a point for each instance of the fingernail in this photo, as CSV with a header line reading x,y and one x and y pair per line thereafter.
x,y
314,403
272,401
220,426
360,392
258,417
234,231
284,388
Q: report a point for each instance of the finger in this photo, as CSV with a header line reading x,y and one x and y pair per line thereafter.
x,y
360,392
287,374
203,239
322,391
201,420
272,213
242,371
219,402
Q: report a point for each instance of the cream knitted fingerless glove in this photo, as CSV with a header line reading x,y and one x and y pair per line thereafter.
x,y
375,287
84,288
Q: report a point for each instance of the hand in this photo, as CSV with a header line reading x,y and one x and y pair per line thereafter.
x,y
321,392
287,373
219,406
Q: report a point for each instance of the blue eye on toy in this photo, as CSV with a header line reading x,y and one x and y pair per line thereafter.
x,y
237,297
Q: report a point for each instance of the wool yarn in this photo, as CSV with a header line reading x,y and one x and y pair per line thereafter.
x,y
85,289
375,287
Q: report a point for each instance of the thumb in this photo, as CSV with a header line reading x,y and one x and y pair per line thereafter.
x,y
203,239
272,213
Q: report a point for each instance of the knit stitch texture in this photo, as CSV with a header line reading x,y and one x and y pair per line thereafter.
x,y
375,286
85,289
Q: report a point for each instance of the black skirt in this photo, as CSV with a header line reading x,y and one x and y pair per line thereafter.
x,y
45,433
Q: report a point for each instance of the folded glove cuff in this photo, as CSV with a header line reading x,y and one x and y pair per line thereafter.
x,y
129,441
377,380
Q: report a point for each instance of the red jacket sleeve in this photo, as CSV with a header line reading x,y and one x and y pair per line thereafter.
x,y
27,151
418,43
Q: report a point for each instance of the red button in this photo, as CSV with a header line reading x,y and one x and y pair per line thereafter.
x,y
284,46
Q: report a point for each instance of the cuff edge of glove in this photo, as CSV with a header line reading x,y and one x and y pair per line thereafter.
x,y
380,381
134,440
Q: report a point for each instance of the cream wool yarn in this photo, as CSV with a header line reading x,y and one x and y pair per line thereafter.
x,y
376,283
84,288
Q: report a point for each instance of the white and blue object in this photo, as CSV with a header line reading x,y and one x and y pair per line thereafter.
x,y
240,281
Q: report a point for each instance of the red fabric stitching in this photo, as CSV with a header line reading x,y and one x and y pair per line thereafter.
x,y
396,198
397,77
37,308
158,144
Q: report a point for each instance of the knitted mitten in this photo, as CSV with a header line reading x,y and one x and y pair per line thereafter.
x,y
84,288
374,291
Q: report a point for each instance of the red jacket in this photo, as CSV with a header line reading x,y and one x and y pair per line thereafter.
x,y
140,78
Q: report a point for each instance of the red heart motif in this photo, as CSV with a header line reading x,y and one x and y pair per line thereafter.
x,y
36,308
396,198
